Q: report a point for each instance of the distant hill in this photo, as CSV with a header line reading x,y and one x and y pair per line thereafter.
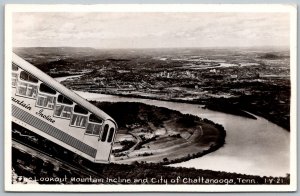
x,y
26,51
61,58
273,56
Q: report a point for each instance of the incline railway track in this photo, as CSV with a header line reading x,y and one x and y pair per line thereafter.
x,y
82,171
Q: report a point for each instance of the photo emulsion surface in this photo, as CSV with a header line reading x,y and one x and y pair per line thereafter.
x,y
174,97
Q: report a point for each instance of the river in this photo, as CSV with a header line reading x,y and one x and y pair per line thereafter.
x,y
60,79
256,147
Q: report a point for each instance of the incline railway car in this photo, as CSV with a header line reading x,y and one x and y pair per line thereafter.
x,y
44,106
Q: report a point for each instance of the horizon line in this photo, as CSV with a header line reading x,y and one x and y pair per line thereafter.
x,y
185,47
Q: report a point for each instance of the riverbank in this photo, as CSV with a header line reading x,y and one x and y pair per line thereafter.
x,y
258,103
160,135
250,144
222,107
227,105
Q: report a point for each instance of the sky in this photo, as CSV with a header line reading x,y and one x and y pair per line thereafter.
x,y
150,30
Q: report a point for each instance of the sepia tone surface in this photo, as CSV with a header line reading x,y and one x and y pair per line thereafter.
x,y
199,98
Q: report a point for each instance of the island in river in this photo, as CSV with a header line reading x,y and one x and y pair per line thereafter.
x,y
159,135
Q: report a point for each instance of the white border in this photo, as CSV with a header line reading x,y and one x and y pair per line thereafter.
x,y
265,8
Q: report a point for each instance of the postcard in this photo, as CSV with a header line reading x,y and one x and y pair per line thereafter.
x,y
150,98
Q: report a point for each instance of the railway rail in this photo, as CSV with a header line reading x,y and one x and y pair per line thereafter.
x,y
85,172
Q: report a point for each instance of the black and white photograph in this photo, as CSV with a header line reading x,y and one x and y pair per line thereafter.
x,y
149,97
